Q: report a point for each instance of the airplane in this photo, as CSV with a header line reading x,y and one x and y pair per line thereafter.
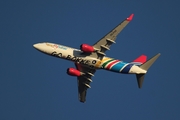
x,y
90,58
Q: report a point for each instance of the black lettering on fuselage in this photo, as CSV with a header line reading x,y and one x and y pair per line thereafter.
x,y
56,54
60,54
78,59
68,57
74,58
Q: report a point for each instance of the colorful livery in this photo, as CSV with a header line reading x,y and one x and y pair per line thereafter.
x,y
92,57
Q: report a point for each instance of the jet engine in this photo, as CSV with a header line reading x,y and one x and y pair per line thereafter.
x,y
87,48
73,72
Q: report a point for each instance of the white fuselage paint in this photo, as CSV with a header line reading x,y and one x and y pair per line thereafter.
x,y
67,53
76,56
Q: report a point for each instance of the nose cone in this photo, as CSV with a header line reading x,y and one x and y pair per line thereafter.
x,y
40,46
36,46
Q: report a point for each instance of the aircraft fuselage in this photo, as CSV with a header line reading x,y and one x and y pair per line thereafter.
x,y
77,56
92,57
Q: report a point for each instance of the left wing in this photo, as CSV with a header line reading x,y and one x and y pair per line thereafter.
x,y
104,43
84,81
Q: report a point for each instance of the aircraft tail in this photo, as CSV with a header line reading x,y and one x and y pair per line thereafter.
x,y
141,59
140,79
145,66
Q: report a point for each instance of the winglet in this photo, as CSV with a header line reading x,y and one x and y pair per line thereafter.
x,y
130,17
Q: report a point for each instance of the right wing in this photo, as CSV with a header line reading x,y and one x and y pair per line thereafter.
x,y
104,43
84,81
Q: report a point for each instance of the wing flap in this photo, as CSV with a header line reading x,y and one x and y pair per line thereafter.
x,y
82,89
84,81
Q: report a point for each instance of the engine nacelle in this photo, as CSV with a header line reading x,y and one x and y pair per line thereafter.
x,y
73,72
87,48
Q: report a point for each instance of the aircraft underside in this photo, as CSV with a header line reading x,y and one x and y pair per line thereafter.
x,y
92,57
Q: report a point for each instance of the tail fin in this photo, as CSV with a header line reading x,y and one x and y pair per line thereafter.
x,y
145,66
141,59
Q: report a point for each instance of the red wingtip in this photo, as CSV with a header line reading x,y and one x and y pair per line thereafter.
x,y
130,17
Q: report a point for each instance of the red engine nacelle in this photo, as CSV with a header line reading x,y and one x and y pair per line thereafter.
x,y
73,72
87,48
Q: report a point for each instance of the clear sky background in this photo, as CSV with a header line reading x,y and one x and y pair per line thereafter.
x,y
34,86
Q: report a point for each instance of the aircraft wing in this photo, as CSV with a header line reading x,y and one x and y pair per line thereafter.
x,y
104,43
84,81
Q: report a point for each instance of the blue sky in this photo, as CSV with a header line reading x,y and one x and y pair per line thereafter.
x,y
36,86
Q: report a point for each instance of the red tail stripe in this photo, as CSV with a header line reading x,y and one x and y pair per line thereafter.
x,y
141,59
111,64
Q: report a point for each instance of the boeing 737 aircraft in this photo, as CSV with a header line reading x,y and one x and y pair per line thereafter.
x,y
91,58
